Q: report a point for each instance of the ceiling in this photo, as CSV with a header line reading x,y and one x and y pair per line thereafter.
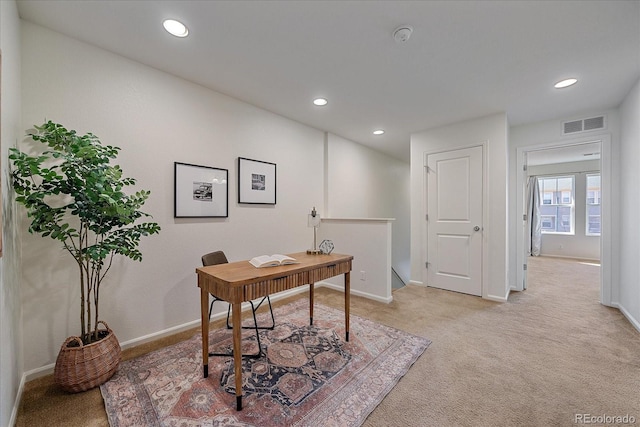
x,y
465,59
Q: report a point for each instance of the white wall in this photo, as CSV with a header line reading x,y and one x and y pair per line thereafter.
x,y
493,132
158,119
10,307
364,183
629,290
578,245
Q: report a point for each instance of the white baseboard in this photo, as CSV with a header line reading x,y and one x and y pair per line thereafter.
x,y
356,292
497,298
576,258
415,282
634,322
16,405
48,369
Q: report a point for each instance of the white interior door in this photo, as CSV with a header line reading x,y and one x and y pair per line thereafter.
x,y
454,220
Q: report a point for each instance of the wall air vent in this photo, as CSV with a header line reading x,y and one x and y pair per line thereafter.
x,y
583,125
572,127
594,123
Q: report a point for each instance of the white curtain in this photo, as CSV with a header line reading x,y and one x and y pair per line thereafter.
x,y
533,217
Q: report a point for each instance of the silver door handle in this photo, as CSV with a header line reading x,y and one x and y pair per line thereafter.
x,y
476,228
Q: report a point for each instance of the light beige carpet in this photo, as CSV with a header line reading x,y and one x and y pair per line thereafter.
x,y
549,354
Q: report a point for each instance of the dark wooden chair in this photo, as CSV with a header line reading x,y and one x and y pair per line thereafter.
x,y
218,257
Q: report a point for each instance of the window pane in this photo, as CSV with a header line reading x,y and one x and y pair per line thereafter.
x,y
593,181
548,223
594,195
564,225
565,183
593,219
556,204
593,189
548,189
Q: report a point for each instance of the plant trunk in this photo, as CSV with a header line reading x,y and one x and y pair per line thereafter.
x,y
83,300
96,289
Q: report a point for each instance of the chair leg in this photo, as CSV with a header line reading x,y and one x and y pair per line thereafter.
x,y
211,307
273,320
254,308
252,356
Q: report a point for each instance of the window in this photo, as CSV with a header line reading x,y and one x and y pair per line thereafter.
x,y
557,204
594,194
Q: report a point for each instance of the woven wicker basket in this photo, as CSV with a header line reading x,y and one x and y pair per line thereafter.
x,y
84,367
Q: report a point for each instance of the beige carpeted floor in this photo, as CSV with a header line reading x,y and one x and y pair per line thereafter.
x,y
548,355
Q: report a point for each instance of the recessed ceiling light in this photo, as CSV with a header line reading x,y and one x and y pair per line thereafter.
x,y
320,102
565,83
175,28
378,132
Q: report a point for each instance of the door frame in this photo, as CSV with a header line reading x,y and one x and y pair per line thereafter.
x,y
485,209
606,209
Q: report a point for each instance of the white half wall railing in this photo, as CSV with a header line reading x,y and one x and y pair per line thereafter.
x,y
369,241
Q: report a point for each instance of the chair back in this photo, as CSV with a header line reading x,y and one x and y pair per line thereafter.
x,y
214,258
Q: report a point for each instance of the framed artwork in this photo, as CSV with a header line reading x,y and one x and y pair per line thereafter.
x,y
256,182
200,191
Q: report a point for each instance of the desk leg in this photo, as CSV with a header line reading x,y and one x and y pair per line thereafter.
x,y
204,311
347,301
311,303
236,309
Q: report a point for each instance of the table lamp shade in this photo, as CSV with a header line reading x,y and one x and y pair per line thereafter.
x,y
313,221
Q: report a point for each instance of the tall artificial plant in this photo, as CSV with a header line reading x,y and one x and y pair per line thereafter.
x,y
74,195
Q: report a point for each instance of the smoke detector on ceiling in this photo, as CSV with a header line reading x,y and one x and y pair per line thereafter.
x,y
402,33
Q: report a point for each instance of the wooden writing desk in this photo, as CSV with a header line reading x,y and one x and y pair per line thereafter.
x,y
238,282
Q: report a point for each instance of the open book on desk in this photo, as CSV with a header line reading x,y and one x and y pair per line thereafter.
x,y
272,260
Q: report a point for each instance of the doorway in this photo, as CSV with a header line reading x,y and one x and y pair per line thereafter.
x,y
523,153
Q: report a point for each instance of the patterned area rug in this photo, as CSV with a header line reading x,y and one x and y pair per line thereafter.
x,y
309,376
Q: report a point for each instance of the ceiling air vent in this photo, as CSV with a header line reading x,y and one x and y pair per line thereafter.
x,y
583,125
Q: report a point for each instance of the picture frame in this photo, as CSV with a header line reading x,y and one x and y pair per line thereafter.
x,y
256,182
200,191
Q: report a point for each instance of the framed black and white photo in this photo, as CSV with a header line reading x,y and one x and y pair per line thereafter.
x,y
200,191
256,182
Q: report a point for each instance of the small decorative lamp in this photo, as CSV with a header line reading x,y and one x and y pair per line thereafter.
x,y
314,221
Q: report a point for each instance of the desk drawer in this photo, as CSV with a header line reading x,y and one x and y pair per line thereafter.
x,y
273,286
329,271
